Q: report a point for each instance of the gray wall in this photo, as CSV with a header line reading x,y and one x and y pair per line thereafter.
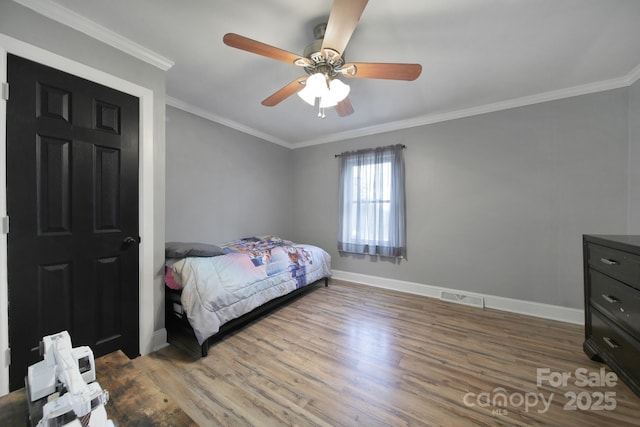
x,y
223,184
497,203
23,24
634,159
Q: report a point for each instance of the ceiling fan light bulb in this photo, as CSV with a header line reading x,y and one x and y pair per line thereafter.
x,y
339,90
327,101
307,96
317,84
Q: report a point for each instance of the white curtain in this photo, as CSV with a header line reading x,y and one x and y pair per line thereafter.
x,y
372,202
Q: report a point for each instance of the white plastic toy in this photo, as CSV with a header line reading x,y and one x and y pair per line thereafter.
x,y
64,386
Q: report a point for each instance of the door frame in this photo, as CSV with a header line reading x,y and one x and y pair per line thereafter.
x,y
146,188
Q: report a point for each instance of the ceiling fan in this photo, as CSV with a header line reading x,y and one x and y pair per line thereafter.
x,y
323,62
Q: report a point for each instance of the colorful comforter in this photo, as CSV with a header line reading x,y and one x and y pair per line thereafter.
x,y
253,271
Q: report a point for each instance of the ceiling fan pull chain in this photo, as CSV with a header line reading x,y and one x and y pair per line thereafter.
x,y
321,112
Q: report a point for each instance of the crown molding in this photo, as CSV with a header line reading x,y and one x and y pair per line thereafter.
x,y
628,80
634,75
78,22
555,95
200,112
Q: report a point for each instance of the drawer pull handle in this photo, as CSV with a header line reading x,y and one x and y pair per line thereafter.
x,y
608,261
611,343
610,299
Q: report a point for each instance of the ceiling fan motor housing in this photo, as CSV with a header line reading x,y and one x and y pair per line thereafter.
x,y
326,62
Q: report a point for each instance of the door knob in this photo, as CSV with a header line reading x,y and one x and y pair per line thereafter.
x,y
130,240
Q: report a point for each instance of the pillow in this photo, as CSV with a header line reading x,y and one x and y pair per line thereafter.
x,y
169,280
184,250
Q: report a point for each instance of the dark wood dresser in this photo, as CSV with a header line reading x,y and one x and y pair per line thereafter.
x,y
612,304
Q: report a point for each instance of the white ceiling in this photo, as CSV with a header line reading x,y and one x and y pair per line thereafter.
x,y
477,56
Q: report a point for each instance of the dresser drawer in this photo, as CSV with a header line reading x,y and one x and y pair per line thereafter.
x,y
616,344
619,264
620,301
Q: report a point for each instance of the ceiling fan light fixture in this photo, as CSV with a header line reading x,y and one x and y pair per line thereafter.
x,y
327,102
330,96
339,90
315,87
318,85
307,96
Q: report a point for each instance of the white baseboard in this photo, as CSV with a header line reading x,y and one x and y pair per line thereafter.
x,y
159,339
530,308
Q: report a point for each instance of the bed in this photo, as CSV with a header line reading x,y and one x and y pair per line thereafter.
x,y
213,289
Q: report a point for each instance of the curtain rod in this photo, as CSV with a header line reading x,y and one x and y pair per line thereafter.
x,y
338,155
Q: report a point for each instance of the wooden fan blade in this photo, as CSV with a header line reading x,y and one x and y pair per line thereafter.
x,y
343,18
344,108
254,46
390,71
282,94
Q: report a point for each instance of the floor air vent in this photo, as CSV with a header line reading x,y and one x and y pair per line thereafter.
x,y
462,299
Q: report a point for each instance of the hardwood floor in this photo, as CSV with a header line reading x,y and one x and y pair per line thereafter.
x,y
356,355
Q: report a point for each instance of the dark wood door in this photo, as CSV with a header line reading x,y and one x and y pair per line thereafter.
x,y
72,199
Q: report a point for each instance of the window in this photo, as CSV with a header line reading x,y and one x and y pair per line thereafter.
x,y
372,202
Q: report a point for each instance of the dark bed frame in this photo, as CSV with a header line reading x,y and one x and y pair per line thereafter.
x,y
179,329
